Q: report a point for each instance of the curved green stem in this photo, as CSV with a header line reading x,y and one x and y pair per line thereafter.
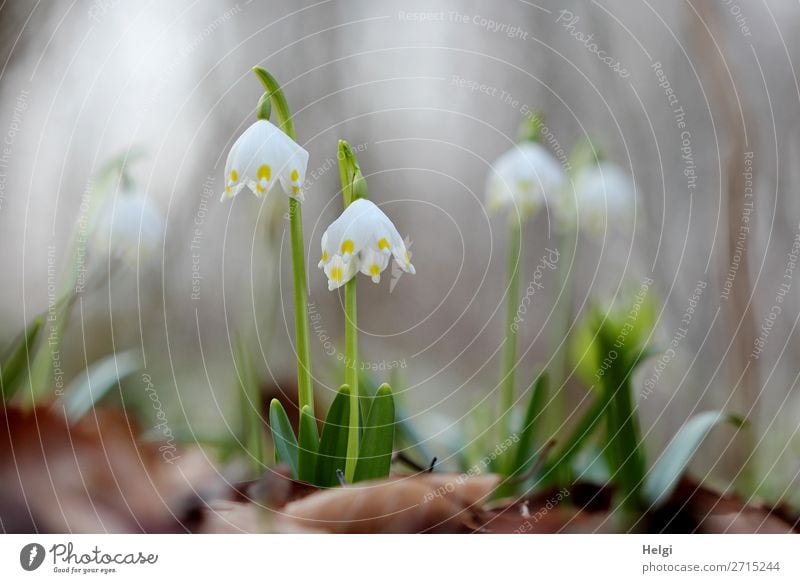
x,y
283,115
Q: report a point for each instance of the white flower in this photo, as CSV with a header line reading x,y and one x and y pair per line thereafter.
x,y
262,157
361,239
523,178
129,227
600,190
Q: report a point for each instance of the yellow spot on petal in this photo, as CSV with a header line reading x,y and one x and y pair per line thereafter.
x,y
348,246
374,270
264,172
234,175
383,244
228,189
406,258
324,255
336,274
259,189
295,175
295,190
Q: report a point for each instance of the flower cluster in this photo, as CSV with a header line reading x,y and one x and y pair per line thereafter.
x,y
528,176
361,239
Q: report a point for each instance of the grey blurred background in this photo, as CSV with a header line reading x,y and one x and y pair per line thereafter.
x,y
85,81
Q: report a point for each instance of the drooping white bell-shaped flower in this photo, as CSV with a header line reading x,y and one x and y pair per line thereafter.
x,y
129,227
602,192
523,178
361,239
262,157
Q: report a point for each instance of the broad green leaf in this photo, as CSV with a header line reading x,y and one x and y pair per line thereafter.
x,y
669,468
88,388
15,366
333,443
375,453
623,441
405,431
283,436
307,446
622,445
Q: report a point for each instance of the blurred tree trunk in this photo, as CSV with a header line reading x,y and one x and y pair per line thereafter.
x,y
733,122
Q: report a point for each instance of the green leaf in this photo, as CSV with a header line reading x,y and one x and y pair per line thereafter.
x,y
527,446
612,343
333,443
375,453
308,445
584,429
283,436
94,383
14,366
623,441
622,445
518,460
663,476
406,433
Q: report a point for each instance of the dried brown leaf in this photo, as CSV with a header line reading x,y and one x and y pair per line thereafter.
x,y
432,502
93,476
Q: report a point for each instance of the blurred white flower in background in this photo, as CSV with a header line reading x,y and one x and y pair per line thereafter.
x,y
129,228
361,239
602,192
262,157
524,178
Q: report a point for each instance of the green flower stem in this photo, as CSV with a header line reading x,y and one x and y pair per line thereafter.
x,y
350,175
283,115
512,305
351,374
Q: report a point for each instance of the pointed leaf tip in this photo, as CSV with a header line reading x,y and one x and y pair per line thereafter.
x,y
283,436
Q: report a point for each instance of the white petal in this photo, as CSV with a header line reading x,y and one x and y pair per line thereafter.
x,y
325,257
339,272
293,172
373,262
